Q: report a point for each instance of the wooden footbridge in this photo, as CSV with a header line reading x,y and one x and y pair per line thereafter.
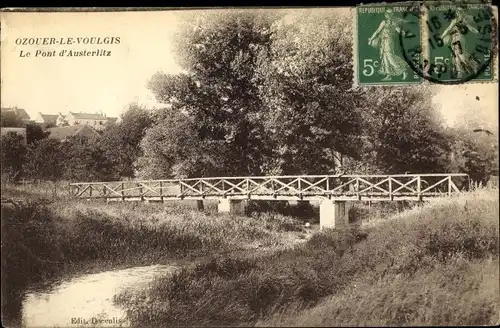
x,y
333,190
303,187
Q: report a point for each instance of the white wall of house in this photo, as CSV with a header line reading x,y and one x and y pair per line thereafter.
x,y
39,118
70,119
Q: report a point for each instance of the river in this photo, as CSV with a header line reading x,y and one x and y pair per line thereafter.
x,y
87,300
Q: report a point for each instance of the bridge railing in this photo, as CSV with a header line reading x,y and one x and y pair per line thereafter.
x,y
341,187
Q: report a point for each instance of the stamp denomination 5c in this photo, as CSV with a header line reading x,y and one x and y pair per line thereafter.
x,y
460,42
379,54
444,43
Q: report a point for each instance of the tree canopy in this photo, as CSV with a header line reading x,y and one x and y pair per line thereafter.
x,y
272,93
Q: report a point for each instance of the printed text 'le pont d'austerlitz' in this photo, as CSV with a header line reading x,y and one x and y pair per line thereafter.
x,y
66,46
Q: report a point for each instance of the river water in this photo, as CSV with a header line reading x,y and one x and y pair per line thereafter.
x,y
87,300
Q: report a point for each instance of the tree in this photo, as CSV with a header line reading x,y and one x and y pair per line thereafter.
x,y
403,131
121,142
313,113
13,157
44,160
35,133
218,91
173,148
473,153
85,161
273,94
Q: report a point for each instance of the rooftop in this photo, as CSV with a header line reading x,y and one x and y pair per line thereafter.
x,y
62,133
49,117
20,112
89,116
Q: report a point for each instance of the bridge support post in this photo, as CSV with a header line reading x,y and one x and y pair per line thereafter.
x,y
233,206
199,205
333,214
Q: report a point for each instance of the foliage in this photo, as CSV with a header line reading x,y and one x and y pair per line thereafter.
x,y
44,160
84,161
404,133
13,157
312,112
474,153
272,94
218,92
121,142
35,133
172,149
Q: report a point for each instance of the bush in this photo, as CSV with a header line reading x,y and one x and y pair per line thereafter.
x,y
13,157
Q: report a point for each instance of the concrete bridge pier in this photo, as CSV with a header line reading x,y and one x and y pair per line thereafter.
x,y
233,206
333,214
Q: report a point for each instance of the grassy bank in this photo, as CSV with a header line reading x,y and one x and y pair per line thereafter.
x,y
435,264
40,190
44,241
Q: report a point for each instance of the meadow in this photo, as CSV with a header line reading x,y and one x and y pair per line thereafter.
x,y
427,265
46,237
435,264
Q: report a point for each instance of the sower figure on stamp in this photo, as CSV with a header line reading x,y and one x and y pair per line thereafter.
x,y
385,38
454,37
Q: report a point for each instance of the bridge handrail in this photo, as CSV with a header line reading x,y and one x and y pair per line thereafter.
x,y
282,177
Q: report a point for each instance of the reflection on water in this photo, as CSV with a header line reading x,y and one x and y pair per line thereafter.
x,y
87,301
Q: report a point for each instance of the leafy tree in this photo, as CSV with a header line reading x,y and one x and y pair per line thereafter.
x,y
85,161
218,91
13,157
121,142
173,148
403,131
35,133
313,112
44,160
473,153
273,94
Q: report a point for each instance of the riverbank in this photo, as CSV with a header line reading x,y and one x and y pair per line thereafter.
x,y
433,265
43,241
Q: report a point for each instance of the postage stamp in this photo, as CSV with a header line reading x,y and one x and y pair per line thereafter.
x,y
442,42
459,43
380,57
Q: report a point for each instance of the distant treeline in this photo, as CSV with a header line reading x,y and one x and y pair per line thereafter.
x,y
259,97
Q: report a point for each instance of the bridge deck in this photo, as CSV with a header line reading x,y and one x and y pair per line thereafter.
x,y
303,187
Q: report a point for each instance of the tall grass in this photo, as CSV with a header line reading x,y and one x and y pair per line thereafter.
x,y
43,241
44,190
408,255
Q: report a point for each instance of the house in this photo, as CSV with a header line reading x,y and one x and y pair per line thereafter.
x,y
46,119
62,133
97,121
20,131
113,120
16,112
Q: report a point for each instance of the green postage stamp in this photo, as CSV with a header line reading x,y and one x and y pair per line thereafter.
x,y
460,42
409,42
380,31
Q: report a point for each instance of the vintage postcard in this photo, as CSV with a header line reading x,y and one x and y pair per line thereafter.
x,y
330,166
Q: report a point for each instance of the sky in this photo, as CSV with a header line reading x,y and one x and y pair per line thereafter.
x,y
109,84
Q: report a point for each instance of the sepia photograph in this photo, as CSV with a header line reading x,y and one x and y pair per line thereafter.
x,y
258,166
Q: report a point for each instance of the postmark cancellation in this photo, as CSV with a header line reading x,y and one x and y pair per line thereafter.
x,y
434,42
